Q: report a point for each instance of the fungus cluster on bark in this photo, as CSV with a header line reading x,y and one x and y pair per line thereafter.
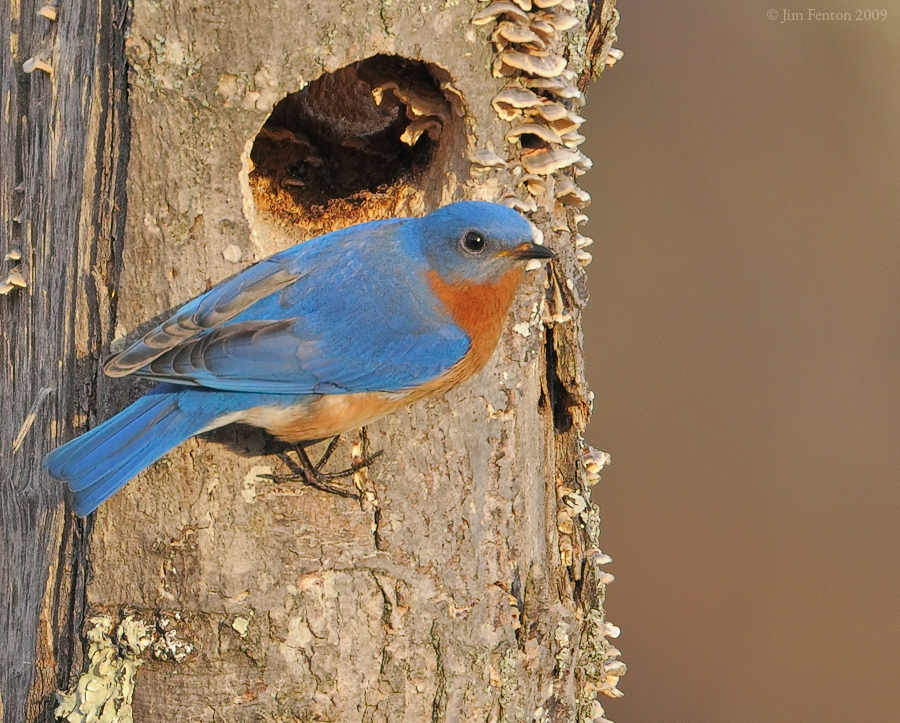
x,y
541,100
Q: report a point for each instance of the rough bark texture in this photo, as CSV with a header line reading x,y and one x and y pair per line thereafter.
x,y
63,149
463,586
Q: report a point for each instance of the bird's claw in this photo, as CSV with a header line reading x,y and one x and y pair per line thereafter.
x,y
312,475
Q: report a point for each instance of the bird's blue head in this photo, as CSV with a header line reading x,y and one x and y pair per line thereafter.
x,y
476,242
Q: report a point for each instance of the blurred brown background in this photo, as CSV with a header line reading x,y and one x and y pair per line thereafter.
x,y
744,345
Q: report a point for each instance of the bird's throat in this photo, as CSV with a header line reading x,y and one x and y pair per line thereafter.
x,y
479,310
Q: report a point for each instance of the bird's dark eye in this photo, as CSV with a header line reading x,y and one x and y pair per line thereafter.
x,y
473,242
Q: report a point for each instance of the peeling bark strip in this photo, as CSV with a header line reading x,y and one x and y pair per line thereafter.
x,y
468,585
63,150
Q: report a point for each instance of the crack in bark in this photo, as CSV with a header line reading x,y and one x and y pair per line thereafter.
x,y
69,605
517,590
380,544
561,400
387,610
439,702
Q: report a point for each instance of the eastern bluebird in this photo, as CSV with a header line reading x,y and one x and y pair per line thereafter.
x,y
318,339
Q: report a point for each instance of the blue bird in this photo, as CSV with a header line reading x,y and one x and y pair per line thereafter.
x,y
316,340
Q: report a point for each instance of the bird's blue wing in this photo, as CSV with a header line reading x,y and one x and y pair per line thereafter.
x,y
206,312
348,312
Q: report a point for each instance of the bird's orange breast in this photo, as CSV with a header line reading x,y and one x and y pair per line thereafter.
x,y
480,310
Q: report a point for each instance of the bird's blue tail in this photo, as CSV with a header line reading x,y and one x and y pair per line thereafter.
x,y
101,461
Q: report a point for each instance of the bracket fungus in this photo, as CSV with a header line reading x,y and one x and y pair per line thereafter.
x,y
544,133
487,159
37,63
497,9
540,100
509,32
542,63
545,161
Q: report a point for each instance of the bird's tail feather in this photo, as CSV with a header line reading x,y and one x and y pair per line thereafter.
x,y
101,461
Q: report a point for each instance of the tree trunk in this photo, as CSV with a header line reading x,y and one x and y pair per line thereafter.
x,y
466,583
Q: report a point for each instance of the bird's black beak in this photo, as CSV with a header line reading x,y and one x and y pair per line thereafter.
x,y
530,250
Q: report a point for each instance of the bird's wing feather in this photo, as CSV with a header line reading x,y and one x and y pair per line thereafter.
x,y
357,316
206,312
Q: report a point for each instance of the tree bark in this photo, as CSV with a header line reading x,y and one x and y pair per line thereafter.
x,y
467,583
63,151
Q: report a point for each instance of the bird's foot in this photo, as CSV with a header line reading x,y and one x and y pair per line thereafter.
x,y
312,474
